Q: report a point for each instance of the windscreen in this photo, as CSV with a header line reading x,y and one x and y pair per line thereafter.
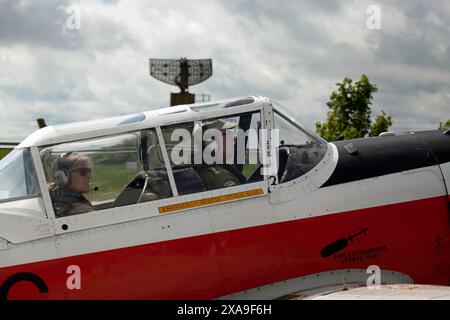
x,y
299,150
17,175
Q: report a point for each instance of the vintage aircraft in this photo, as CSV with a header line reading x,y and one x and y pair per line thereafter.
x,y
102,209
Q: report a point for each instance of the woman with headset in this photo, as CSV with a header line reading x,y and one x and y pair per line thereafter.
x,y
72,176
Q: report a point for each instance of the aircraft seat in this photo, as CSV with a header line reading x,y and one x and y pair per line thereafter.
x,y
188,181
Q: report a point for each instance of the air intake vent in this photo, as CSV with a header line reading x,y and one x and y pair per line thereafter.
x,y
133,119
172,110
239,102
205,107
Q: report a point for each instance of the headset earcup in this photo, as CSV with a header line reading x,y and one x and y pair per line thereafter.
x,y
62,177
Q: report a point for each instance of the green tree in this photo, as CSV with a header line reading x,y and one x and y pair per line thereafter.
x,y
349,115
381,124
445,126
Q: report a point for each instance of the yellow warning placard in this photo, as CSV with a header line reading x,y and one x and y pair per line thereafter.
x,y
207,201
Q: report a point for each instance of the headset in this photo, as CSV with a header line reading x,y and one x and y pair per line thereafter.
x,y
62,173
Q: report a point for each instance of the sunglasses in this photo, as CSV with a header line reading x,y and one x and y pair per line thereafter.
x,y
84,171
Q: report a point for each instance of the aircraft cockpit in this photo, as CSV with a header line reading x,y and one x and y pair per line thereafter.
x,y
217,146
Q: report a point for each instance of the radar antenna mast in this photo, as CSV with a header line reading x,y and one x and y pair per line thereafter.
x,y
182,73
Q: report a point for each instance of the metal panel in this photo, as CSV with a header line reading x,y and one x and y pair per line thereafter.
x,y
445,168
42,182
162,145
308,285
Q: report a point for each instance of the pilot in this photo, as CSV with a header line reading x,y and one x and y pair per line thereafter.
x,y
215,176
72,176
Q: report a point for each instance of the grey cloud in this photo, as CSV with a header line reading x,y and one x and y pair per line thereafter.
x,y
293,17
413,52
292,51
36,23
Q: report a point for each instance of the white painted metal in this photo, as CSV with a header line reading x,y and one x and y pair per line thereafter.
x,y
173,110
389,189
109,126
308,182
3,244
385,292
305,286
266,143
40,250
446,173
42,182
162,144
24,220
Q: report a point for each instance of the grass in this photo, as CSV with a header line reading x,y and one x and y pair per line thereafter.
x,y
249,166
249,169
110,180
4,152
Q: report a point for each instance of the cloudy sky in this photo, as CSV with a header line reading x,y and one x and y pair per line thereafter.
x,y
292,51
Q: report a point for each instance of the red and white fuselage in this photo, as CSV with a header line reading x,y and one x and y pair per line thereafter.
x,y
263,239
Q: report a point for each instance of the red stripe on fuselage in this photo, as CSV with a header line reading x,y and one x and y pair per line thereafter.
x,y
400,237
